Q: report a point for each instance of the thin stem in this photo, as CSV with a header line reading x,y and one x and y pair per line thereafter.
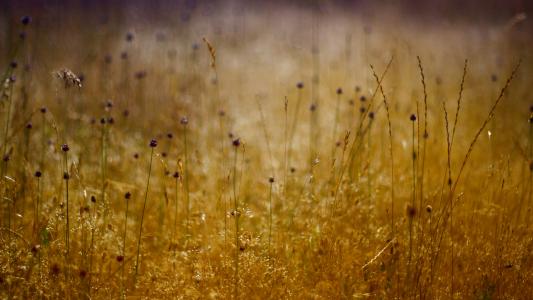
x,y
142,214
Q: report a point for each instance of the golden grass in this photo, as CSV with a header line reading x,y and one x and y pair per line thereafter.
x,y
260,187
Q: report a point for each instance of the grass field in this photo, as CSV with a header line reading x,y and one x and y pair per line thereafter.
x,y
232,151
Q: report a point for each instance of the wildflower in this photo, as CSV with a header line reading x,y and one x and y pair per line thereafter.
x,y
153,143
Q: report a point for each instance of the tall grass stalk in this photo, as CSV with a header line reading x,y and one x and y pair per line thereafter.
x,y
153,144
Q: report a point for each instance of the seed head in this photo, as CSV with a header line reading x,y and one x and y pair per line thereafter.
x,y
236,142
140,74
357,89
153,143
124,55
6,158
38,174
66,176
312,107
412,117
362,98
371,115
129,37
29,125
68,77
271,179
127,195
176,175
43,110
300,85
170,135
13,65
184,121
410,211
429,209
339,91
93,199
120,258
65,148
26,20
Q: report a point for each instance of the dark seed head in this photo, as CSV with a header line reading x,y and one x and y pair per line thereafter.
x,y
129,36
271,179
292,170
25,20
300,85
339,91
127,195
410,210
110,120
371,115
93,199
412,117
126,113
184,121
153,143
66,176
13,64
362,109
357,89
102,121
43,110
6,158
163,154
136,155
124,55
169,135
120,258
236,142
312,107
109,104
362,98
429,209
29,125
176,174
83,273
38,174
35,249
65,148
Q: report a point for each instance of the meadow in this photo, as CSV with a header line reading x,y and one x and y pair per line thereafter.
x,y
227,151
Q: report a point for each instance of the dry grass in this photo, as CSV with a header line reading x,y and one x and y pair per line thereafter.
x,y
259,187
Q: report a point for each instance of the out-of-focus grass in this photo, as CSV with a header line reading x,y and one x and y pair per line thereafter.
x,y
224,123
